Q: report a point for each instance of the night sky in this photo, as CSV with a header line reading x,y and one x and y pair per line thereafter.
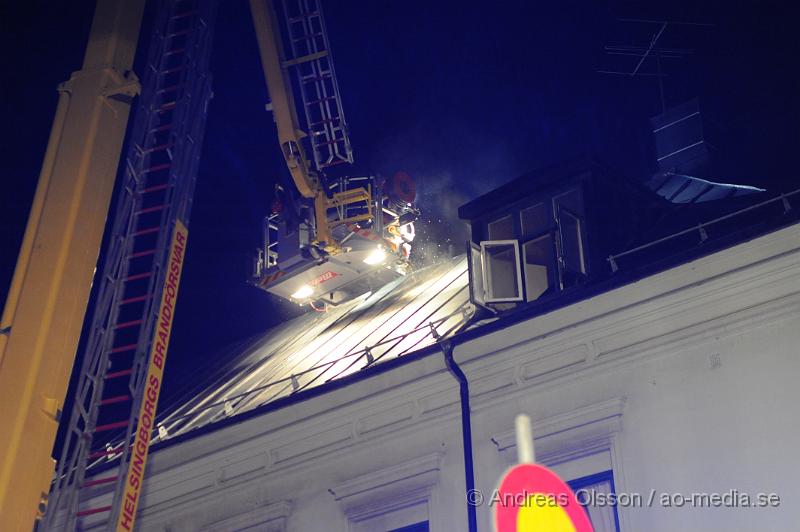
x,y
462,95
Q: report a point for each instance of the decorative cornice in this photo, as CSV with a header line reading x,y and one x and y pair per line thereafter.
x,y
395,486
569,435
270,518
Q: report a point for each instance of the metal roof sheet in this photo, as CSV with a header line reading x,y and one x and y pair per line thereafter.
x,y
318,347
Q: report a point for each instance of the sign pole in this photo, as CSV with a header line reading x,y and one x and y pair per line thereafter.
x,y
526,453
531,497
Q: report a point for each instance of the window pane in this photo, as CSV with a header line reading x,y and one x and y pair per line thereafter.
x,y
501,271
502,229
593,492
572,200
571,242
602,516
534,219
476,274
538,258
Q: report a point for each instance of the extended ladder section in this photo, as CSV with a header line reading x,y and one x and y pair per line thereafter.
x,y
154,197
312,62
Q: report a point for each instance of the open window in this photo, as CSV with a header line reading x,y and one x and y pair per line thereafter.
x,y
495,275
475,269
571,241
502,280
538,265
571,248
534,250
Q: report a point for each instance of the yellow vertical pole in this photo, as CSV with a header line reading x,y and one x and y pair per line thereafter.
x,y
281,100
50,289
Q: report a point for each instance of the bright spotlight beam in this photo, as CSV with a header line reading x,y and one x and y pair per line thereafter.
x,y
303,292
376,257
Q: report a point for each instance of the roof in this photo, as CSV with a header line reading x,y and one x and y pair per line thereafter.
x,y
319,347
532,183
357,339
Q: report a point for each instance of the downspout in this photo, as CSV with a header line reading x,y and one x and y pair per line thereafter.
x,y
466,432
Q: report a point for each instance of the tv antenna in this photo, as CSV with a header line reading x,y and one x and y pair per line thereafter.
x,y
649,53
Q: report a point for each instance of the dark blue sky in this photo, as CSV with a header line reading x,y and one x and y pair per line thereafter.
x,y
463,95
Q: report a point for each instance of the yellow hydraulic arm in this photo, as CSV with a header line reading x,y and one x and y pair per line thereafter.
x,y
283,107
47,300
290,134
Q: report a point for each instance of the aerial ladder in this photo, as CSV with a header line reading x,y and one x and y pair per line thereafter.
x,y
113,413
350,234
49,292
328,240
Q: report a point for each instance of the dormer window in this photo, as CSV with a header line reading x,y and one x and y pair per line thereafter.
x,y
533,249
502,277
569,216
535,220
501,229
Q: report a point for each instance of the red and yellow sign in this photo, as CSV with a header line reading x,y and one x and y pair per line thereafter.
x,y
327,276
531,498
155,375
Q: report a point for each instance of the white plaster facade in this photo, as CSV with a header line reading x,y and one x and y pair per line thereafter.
x,y
686,381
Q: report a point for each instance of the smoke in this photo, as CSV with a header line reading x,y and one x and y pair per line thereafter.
x,y
452,161
441,234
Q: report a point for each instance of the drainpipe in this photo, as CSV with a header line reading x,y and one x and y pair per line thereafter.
x,y
466,431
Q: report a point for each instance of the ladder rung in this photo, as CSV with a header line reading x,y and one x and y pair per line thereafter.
x,y
157,168
126,324
155,188
153,209
326,121
304,16
179,33
137,276
142,253
326,99
98,481
104,452
174,69
334,163
160,147
134,299
115,399
147,231
111,426
171,88
167,106
176,51
182,14
90,511
307,37
120,373
163,127
123,348
309,79
327,142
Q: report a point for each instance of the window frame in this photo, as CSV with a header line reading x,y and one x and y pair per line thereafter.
x,y
561,259
596,478
485,269
552,265
558,270
477,293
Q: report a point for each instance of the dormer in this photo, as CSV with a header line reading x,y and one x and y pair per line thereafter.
x,y
546,233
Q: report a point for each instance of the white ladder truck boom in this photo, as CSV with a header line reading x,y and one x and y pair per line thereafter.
x,y
341,238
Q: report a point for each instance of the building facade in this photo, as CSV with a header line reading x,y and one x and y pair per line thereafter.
x,y
681,383
661,387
